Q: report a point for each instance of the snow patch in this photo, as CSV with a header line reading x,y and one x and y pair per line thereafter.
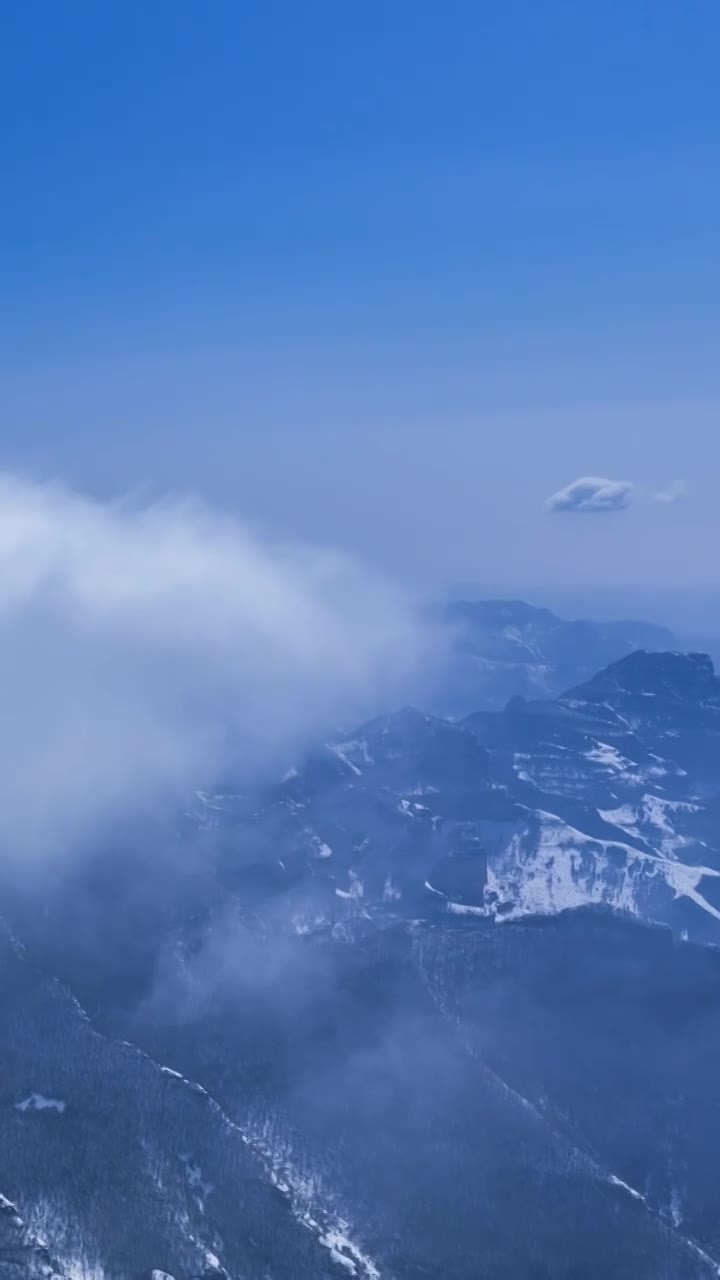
x,y
391,893
190,1084
624,1186
684,881
432,889
520,759
311,1203
624,816
322,849
609,758
304,926
38,1102
563,868
653,811
341,755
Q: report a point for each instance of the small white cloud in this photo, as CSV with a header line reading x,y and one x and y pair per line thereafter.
x,y
676,492
592,494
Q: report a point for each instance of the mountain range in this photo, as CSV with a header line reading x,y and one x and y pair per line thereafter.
x,y
441,1001
505,648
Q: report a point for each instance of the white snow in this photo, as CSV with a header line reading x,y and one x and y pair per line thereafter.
x,y
624,816
311,1202
520,759
82,1269
355,747
218,800
356,890
304,926
654,811
197,1182
38,1102
432,889
344,1252
564,868
8,1207
684,880
341,755
618,1182
391,893
610,758
191,1084
322,849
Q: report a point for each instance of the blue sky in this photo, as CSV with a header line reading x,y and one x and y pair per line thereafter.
x,y
381,274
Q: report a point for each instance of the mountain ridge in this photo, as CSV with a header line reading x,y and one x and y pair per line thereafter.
x,y
502,648
392,1003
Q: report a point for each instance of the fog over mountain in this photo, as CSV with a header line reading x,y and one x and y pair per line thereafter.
x,y
355,925
299,979
146,645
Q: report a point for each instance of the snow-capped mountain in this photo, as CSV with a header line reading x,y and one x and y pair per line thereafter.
x,y
622,775
604,796
439,1002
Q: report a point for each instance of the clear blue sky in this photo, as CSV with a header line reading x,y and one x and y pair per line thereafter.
x,y
382,274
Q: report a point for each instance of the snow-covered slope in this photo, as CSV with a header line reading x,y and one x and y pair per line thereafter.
x,y
544,807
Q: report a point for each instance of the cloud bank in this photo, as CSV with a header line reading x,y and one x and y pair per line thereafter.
x,y
143,648
592,494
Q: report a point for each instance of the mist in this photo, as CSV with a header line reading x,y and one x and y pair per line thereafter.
x,y
147,647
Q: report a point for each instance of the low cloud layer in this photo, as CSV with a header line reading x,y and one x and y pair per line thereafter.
x,y
143,648
591,494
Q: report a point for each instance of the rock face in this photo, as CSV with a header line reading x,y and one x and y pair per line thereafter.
x,y
444,1001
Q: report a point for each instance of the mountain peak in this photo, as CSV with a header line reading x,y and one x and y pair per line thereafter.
x,y
684,676
406,722
499,613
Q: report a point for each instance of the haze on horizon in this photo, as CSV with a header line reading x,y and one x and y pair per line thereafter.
x,y
380,277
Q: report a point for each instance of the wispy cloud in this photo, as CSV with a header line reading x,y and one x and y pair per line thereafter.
x,y
676,492
591,494
143,647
